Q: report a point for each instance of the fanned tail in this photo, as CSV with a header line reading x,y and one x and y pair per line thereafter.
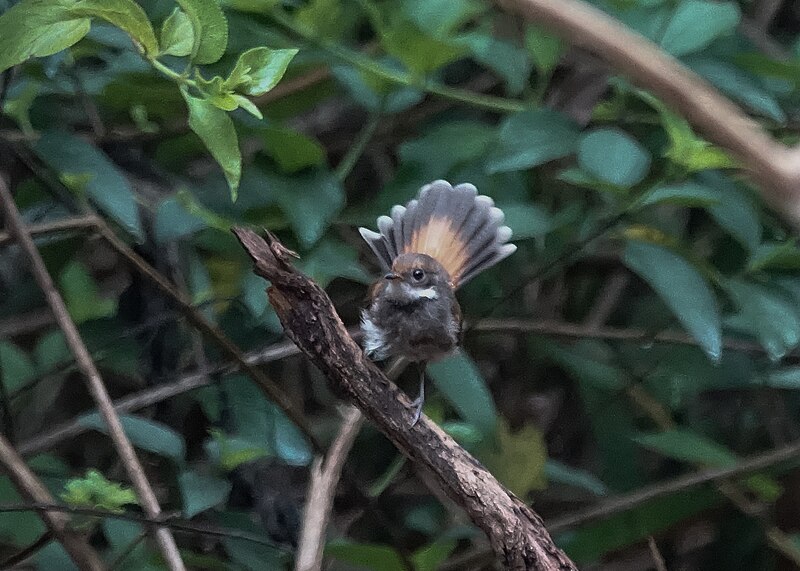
x,y
460,229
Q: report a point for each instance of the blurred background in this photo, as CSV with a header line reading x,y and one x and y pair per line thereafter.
x,y
641,339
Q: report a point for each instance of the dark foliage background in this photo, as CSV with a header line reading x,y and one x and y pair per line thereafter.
x,y
646,328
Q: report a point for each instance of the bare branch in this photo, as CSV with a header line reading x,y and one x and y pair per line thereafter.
x,y
774,167
319,499
32,489
516,532
133,467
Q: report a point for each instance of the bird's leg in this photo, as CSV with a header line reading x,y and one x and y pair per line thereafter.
x,y
420,400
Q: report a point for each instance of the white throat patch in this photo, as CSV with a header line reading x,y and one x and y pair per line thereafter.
x,y
427,293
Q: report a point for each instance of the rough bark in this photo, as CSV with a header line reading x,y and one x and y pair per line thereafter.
x,y
515,531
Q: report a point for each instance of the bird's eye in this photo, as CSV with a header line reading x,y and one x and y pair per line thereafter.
x,y
417,274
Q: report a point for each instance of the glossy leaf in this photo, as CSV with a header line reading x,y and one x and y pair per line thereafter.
x,y
258,70
215,128
682,194
145,434
739,86
288,442
683,290
124,14
613,156
734,211
210,29
201,492
32,28
75,159
532,138
688,446
696,23
507,60
174,221
447,145
770,316
460,381
440,18
177,34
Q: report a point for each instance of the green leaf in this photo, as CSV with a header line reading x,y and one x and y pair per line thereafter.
x,y
517,459
444,146
440,18
613,156
16,368
768,315
432,556
683,194
740,86
532,138
95,491
557,472
527,220
418,51
332,259
210,29
126,15
32,28
215,128
734,211
309,201
460,381
177,34
545,48
105,184
785,378
231,452
288,442
51,350
293,151
682,288
697,23
364,555
82,295
259,69
145,434
201,492
253,556
688,446
775,256
509,61
173,221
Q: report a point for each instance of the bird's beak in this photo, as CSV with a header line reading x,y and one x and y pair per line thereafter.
x,y
391,276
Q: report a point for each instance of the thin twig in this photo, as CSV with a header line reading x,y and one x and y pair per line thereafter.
x,y
775,167
32,489
60,225
321,490
632,334
133,467
177,524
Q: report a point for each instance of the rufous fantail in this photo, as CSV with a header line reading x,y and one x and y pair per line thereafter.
x,y
429,248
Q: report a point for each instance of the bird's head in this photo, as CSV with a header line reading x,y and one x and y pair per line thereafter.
x,y
416,277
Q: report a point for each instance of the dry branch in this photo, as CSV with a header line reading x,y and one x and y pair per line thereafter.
x,y
773,166
30,488
321,490
147,498
516,532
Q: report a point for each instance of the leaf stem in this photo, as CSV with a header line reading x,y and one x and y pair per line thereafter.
x,y
367,64
171,74
357,148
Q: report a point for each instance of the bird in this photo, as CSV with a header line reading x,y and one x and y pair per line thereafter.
x,y
428,249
